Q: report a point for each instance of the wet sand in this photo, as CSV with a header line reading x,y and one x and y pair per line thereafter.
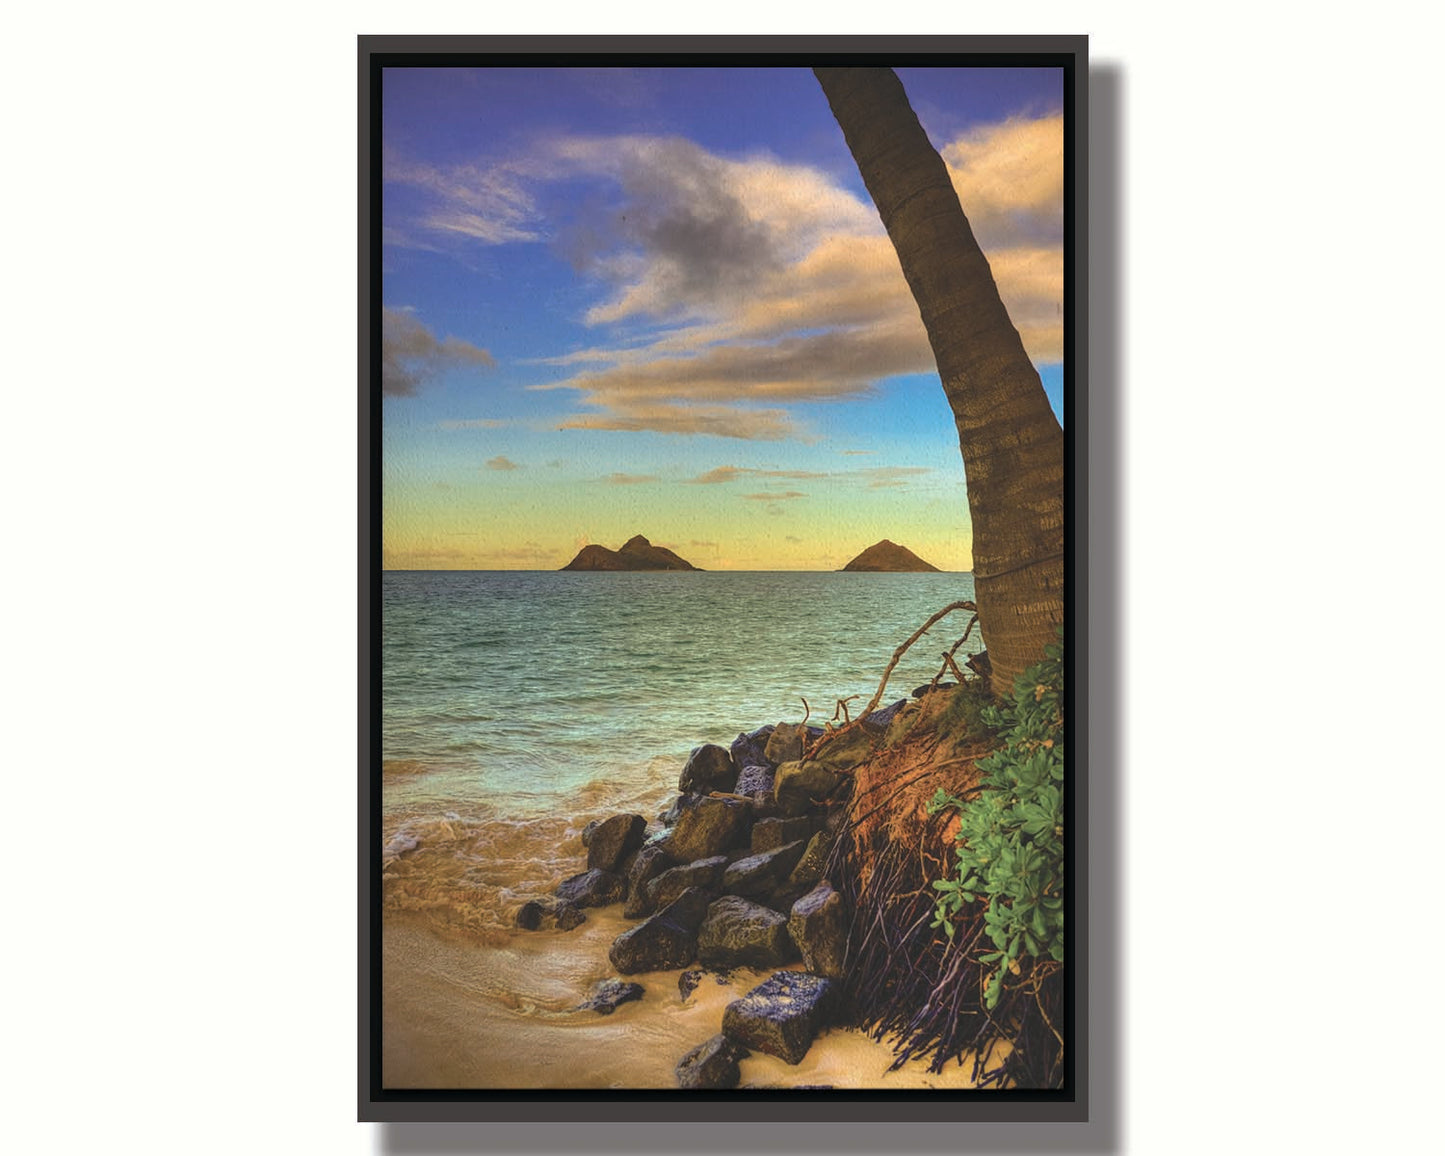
x,y
464,1011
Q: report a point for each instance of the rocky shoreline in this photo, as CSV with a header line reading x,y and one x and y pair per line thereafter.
x,y
732,875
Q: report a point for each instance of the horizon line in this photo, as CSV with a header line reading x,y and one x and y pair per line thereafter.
x,y
694,570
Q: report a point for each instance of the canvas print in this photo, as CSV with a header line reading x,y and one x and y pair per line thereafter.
x,y
723,618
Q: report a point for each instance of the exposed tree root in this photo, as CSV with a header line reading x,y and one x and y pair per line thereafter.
x,y
907,980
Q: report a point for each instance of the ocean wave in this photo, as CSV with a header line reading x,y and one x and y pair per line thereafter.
x,y
474,872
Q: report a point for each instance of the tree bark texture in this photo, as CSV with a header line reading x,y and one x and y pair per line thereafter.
x,y
1012,445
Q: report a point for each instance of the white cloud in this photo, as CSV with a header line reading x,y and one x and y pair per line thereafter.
x,y
732,287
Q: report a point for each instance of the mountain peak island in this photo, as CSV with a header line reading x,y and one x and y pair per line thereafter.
x,y
637,553
891,557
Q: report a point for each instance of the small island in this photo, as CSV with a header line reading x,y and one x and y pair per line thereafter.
x,y
889,557
637,553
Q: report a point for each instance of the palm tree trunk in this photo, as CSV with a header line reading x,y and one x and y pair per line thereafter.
x,y
1013,448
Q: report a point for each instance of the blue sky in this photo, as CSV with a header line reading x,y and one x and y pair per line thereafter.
x,y
659,301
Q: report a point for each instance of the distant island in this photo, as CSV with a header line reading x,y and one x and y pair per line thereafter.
x,y
890,557
636,554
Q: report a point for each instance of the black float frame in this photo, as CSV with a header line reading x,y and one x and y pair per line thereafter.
x,y
1070,1103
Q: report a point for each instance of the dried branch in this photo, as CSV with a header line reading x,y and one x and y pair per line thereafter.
x,y
953,666
948,662
899,653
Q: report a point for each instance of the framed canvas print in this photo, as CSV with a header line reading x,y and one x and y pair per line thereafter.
x,y
722,409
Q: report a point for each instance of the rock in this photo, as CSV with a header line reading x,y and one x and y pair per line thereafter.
x,y
593,888
754,779
613,840
650,862
750,750
818,924
687,983
709,768
809,869
704,873
679,805
713,1064
883,717
762,806
569,917
760,874
530,915
607,994
740,933
848,750
782,1014
770,834
980,664
785,744
706,829
588,830
666,940
545,914
798,785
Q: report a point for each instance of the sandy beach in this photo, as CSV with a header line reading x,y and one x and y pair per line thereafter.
x,y
463,1011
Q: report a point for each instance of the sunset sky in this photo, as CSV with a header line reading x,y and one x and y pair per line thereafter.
x,y
660,302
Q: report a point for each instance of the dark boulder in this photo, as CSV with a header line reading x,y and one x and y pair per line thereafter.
x,y
709,768
650,862
884,715
709,828
850,748
588,830
704,873
612,840
819,926
809,869
770,834
530,915
740,933
800,785
679,805
750,749
763,873
785,744
687,982
782,1014
712,1065
754,779
547,914
607,994
594,888
666,940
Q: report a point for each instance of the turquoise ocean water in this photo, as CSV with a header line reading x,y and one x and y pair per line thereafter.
x,y
518,704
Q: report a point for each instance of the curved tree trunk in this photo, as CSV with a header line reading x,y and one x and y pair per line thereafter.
x,y
1013,448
